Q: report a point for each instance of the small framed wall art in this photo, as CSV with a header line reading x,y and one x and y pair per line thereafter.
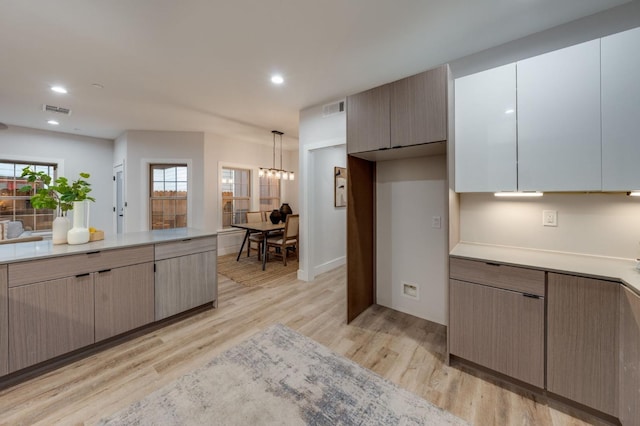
x,y
340,187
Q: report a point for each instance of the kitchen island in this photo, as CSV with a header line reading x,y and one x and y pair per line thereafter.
x,y
58,299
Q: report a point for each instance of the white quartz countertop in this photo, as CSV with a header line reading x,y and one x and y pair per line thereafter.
x,y
17,252
607,268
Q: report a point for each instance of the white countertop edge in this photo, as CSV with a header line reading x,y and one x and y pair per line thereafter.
x,y
599,267
19,252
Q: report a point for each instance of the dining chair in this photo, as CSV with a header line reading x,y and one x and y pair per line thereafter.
x,y
288,240
255,237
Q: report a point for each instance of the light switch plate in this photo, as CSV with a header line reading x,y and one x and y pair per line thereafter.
x,y
436,222
550,217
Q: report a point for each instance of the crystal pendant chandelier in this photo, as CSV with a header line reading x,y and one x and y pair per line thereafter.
x,y
273,172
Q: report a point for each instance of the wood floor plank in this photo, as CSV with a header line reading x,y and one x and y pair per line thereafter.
x,y
404,349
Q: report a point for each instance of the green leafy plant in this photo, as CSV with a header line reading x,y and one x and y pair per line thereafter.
x,y
57,194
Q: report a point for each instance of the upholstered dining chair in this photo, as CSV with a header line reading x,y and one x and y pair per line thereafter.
x,y
288,239
255,238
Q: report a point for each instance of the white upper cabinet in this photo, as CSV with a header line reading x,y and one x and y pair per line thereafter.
x,y
621,111
559,120
485,129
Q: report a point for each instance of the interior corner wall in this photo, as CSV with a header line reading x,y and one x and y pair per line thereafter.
x,y
77,154
148,147
409,248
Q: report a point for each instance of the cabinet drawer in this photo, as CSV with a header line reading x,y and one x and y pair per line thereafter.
x,y
497,275
65,266
184,247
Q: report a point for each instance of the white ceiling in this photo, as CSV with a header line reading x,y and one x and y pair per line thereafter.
x,y
204,65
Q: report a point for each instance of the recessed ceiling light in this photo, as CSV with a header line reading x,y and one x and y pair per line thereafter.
x,y
277,79
53,122
58,89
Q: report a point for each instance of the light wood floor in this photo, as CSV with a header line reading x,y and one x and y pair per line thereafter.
x,y
406,350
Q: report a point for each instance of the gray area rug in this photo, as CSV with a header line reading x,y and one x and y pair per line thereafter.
x,y
279,377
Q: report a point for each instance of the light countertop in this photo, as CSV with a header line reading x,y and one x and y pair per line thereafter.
x,y
17,252
607,268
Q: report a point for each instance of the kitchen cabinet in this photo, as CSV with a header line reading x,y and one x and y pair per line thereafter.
x,y
4,322
124,299
368,125
185,275
629,358
486,132
419,108
582,340
558,106
49,318
620,111
496,318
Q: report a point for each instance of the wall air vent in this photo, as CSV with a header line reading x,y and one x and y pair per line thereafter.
x,y
58,110
332,109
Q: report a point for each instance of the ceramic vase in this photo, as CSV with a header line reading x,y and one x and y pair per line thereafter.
x,y
275,216
285,210
79,234
60,229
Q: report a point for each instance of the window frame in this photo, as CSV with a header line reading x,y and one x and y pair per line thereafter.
x,y
176,198
224,199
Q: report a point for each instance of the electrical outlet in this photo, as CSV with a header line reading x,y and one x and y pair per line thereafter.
x,y
410,290
436,222
550,218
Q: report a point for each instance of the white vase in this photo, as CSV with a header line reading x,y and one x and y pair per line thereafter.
x,y
59,230
79,234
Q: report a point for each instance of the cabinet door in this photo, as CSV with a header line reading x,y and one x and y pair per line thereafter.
x,y
582,340
559,120
4,322
368,120
620,111
499,329
485,120
629,358
49,318
419,108
185,282
124,299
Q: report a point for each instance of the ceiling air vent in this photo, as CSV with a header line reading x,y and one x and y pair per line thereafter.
x,y
58,110
332,109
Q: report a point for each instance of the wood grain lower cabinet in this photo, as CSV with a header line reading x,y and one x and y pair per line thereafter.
x,y
49,318
629,358
582,340
124,299
185,282
499,329
4,322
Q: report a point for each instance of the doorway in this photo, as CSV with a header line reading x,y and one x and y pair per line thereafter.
x,y
120,204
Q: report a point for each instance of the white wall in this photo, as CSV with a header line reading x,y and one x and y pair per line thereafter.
x,y
315,133
74,154
224,150
409,193
328,248
147,147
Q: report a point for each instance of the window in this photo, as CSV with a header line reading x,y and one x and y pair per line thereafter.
x,y
16,205
168,198
236,191
269,193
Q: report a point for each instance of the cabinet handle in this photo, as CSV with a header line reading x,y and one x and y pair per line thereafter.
x,y
104,270
383,148
186,240
531,296
83,275
93,252
492,264
396,147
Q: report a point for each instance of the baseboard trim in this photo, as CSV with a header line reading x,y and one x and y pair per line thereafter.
x,y
330,265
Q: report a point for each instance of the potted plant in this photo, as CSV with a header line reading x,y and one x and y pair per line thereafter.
x,y
59,195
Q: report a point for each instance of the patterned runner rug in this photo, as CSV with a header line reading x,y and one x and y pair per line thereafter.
x,y
279,377
248,271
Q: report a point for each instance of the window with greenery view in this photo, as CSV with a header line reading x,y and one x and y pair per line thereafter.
x,y
16,205
168,196
236,195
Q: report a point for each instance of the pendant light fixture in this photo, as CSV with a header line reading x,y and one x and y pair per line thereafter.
x,y
273,172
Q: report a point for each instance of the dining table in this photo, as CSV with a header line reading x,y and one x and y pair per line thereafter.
x,y
262,227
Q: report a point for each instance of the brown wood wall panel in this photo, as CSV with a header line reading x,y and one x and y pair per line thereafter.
x,y
582,340
630,358
184,247
21,273
497,275
123,299
4,322
368,120
418,108
499,329
360,236
49,319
